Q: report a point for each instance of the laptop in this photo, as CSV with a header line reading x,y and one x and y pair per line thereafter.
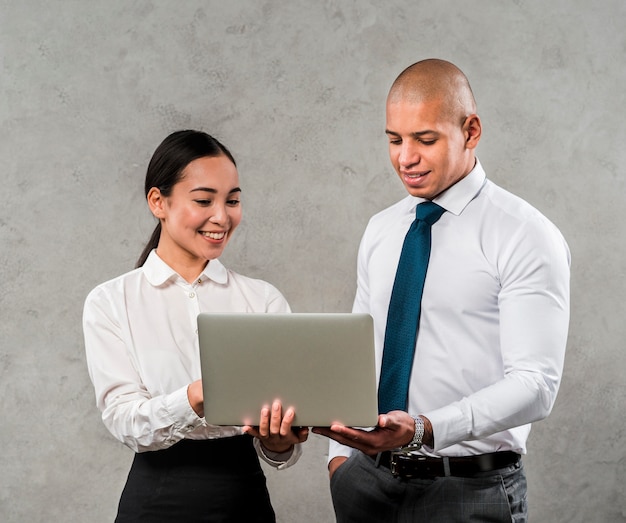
x,y
322,364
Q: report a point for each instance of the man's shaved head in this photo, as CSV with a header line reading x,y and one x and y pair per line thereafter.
x,y
432,127
434,79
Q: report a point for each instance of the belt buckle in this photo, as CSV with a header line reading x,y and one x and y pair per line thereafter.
x,y
400,462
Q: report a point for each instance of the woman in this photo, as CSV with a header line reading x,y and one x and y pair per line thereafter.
x,y
142,350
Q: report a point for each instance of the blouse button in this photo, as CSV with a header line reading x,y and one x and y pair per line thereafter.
x,y
192,294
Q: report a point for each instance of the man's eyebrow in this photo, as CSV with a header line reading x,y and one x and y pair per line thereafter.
x,y
416,134
214,191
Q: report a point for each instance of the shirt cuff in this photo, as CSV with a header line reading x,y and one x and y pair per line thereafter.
x,y
337,449
450,425
281,460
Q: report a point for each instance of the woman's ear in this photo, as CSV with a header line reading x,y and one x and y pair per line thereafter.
x,y
473,130
156,202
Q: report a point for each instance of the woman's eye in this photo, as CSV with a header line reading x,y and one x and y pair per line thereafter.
x,y
203,202
234,203
428,142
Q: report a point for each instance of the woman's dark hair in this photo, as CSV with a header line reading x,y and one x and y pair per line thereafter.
x,y
168,162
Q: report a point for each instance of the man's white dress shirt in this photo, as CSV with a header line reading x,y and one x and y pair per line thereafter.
x,y
142,350
494,315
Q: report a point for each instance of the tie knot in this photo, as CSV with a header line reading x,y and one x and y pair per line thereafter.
x,y
429,212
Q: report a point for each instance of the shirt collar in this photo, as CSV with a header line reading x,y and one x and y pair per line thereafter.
x,y
456,198
158,272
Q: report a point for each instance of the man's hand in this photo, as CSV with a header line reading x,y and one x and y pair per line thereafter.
x,y
334,464
395,429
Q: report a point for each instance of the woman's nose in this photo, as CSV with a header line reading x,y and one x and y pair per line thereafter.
x,y
219,214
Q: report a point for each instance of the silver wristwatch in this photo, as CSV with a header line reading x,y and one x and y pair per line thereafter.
x,y
416,442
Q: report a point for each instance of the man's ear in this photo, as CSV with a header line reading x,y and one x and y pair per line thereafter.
x,y
156,202
473,130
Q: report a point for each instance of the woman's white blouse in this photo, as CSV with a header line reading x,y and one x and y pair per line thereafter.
x,y
142,348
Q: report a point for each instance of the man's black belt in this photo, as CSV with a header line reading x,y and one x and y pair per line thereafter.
x,y
411,466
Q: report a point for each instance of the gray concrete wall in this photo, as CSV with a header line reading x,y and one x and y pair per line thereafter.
x,y
296,89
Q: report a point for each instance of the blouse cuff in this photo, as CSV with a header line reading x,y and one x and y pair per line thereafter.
x,y
277,460
182,415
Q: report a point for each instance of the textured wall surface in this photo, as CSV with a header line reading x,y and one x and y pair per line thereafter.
x,y
297,90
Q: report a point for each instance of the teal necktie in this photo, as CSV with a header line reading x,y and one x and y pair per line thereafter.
x,y
404,310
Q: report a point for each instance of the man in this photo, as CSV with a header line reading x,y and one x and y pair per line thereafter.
x,y
487,352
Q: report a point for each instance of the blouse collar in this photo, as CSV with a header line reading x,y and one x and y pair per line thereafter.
x,y
158,272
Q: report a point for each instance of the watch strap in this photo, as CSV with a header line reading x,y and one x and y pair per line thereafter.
x,y
418,436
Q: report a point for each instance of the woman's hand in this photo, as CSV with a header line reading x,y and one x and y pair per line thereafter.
x,y
275,431
196,398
